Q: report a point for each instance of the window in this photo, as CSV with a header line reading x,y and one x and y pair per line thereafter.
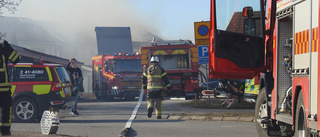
x,y
126,66
230,17
31,74
62,74
10,75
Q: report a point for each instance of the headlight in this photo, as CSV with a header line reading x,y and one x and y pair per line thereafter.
x,y
115,87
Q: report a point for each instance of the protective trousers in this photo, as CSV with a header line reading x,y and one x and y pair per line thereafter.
x,y
6,111
158,103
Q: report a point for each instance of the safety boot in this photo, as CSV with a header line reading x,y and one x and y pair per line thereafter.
x,y
150,110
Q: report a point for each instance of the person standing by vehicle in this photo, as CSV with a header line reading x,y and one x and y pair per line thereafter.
x,y
152,80
76,81
7,54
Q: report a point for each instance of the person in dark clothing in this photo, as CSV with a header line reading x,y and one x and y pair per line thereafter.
x,y
75,74
7,53
153,80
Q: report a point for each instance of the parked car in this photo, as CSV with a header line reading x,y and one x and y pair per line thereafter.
x,y
213,84
37,87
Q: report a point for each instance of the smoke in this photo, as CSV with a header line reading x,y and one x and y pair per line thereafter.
x,y
74,21
87,14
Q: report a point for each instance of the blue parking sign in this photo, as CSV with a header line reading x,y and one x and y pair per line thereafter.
x,y
203,51
203,54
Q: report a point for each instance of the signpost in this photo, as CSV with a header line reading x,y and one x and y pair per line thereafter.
x,y
201,31
203,54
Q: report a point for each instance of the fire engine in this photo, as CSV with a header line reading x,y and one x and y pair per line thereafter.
x,y
179,58
117,75
286,54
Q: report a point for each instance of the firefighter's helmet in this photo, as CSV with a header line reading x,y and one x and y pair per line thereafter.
x,y
154,59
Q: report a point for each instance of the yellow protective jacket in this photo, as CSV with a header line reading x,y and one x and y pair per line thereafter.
x,y
155,77
7,54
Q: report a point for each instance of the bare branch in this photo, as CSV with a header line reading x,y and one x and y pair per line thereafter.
x,y
3,35
10,5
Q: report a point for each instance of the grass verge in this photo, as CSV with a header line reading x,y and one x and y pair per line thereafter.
x,y
216,104
231,114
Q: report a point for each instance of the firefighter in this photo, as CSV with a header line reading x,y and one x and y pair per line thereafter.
x,y
153,79
7,53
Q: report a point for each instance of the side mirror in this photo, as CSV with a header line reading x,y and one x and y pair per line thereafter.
x,y
247,12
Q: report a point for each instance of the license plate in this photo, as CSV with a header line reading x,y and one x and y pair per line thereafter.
x,y
131,87
66,90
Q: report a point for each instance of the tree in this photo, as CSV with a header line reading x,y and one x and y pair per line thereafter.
x,y
10,5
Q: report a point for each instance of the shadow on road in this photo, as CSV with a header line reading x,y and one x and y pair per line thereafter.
x,y
131,133
94,121
119,121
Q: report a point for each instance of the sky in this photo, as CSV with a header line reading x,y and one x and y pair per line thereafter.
x,y
169,19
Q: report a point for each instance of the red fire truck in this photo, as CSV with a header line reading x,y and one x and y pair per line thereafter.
x,y
179,58
286,54
117,75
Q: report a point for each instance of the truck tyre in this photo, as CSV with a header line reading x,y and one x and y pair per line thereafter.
x,y
188,97
260,112
106,96
98,97
25,110
129,98
300,127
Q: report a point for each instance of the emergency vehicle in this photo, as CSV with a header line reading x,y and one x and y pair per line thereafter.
x,y
117,75
38,87
179,58
286,54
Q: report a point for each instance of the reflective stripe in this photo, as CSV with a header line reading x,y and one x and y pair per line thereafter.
x,y
155,87
4,84
163,74
154,76
159,112
15,57
168,85
107,75
41,89
13,89
62,93
12,55
144,84
2,69
5,124
49,73
4,89
144,74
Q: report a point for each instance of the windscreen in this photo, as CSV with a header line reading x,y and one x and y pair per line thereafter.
x,y
230,16
127,66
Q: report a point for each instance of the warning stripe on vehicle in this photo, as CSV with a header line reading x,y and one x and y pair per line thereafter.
x,y
302,41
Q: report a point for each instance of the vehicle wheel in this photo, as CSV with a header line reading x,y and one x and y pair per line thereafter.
x,y
130,98
188,97
96,93
300,119
260,112
98,97
198,95
25,110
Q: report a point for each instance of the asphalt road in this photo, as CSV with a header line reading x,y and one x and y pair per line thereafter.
x,y
107,119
